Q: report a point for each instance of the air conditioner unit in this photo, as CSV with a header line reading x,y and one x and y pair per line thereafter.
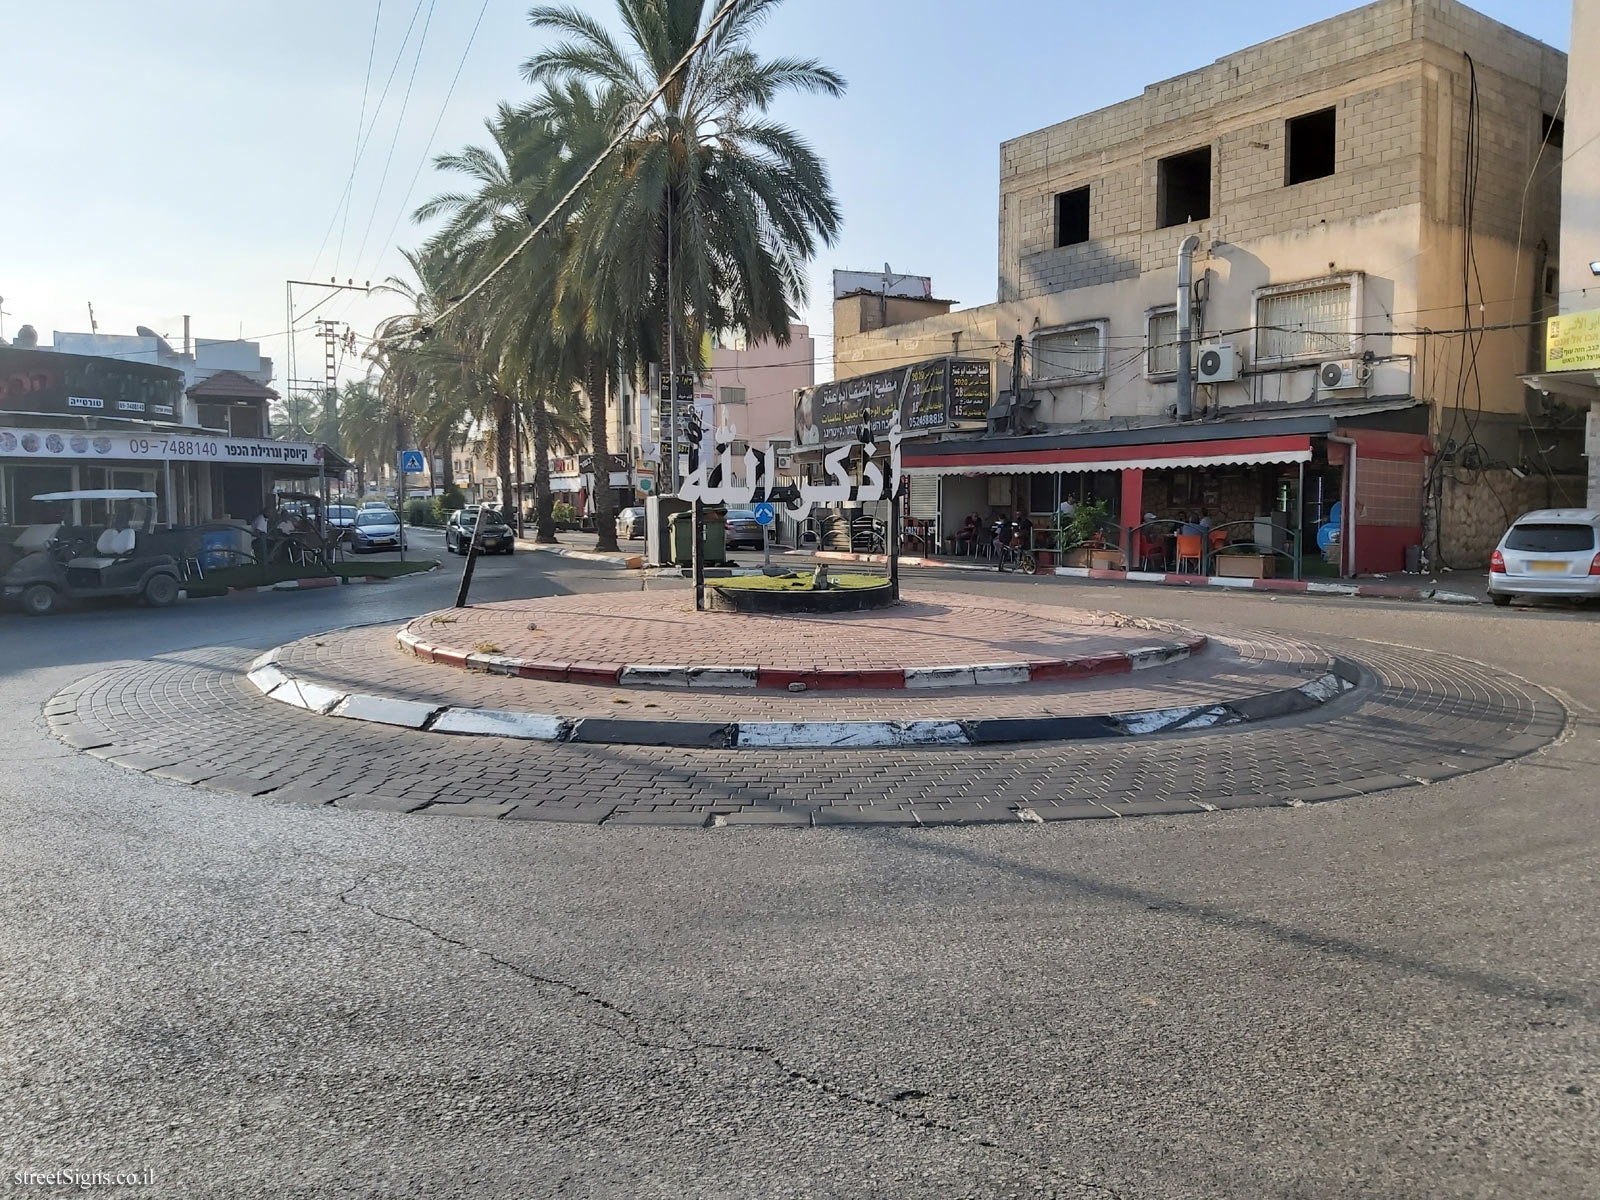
x,y
1216,363
1342,373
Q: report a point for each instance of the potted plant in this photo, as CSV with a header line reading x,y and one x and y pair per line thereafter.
x,y
1079,536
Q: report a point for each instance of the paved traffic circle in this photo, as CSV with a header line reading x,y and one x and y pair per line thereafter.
x,y
194,718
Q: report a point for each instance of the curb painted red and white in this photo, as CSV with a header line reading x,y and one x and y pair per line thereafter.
x,y
1383,591
274,681
635,675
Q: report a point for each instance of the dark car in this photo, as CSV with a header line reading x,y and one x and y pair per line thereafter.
x,y
742,529
375,529
497,537
630,523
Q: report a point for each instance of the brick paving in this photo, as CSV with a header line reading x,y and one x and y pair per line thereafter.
x,y
1419,717
1236,666
931,629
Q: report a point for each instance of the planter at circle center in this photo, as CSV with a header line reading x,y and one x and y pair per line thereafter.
x,y
727,597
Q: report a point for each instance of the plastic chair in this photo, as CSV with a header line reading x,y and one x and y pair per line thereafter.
x,y
1152,555
1219,539
1189,551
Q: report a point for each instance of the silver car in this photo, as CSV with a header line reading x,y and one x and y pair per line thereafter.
x,y
1551,552
375,529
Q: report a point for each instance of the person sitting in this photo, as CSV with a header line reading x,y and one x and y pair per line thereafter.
x,y
1186,526
967,536
1022,536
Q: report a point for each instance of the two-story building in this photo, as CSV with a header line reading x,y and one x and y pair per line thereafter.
x,y
1370,209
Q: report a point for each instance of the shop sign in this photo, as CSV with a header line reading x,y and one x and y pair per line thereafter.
x,y
1572,342
82,385
925,398
71,445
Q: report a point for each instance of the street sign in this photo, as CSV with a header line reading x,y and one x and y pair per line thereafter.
x,y
765,514
412,461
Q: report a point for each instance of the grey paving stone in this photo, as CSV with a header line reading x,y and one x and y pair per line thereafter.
x,y
300,794
574,814
971,813
368,803
81,738
240,785
864,816
144,760
661,816
1328,791
765,816
474,808
182,773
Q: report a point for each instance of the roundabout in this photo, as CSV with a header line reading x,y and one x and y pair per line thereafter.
x,y
1146,718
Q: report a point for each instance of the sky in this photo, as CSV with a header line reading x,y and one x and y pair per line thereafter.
x,y
189,156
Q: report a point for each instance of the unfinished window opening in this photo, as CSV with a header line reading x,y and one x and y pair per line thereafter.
x,y
1072,217
1183,188
1551,129
1308,147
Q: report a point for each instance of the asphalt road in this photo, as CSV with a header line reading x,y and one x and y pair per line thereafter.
x,y
1380,996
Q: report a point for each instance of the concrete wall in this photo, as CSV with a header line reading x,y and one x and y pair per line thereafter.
x,y
859,313
769,374
1395,74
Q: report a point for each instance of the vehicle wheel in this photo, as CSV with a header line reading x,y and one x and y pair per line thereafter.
x,y
1499,599
39,600
1027,564
160,591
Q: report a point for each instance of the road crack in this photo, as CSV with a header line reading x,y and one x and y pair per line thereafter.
x,y
686,1042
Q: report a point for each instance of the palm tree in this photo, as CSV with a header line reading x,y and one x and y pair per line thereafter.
x,y
295,417
366,432
738,203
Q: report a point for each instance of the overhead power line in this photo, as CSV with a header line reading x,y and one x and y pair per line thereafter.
x,y
722,15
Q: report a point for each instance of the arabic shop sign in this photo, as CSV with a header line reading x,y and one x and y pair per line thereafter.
x,y
1572,342
82,385
718,483
925,398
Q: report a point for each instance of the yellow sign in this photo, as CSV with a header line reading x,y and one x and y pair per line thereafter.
x,y
1572,342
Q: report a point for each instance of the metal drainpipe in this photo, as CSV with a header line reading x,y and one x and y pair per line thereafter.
x,y
1349,504
1186,325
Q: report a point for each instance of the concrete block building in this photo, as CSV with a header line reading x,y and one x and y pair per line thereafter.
x,y
1376,200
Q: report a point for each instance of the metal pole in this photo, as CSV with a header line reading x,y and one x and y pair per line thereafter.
x,y
402,514
1300,522
472,559
171,517
697,554
672,370
894,544
766,547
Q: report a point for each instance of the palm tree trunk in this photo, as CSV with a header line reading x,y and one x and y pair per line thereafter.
x,y
605,500
504,431
544,516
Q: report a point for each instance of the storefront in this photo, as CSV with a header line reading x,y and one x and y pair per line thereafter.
x,y
1284,483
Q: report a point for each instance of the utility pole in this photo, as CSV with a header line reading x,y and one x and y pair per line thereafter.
x,y
94,326
291,380
672,363
3,316
328,331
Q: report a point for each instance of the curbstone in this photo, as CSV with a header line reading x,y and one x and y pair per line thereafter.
x,y
490,722
382,710
939,677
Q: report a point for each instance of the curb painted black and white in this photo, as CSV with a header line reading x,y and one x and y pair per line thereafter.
x,y
269,677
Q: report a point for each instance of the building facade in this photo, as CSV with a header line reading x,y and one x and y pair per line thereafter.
x,y
1357,194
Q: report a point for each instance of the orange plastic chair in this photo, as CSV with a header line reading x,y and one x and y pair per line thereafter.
x,y
1189,552
1219,539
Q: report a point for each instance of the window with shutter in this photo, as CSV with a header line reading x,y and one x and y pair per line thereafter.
x,y
1310,323
1072,355
1161,341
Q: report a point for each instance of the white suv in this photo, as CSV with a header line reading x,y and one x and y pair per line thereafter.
x,y
1551,552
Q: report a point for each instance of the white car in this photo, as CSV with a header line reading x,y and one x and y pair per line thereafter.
x,y
1551,552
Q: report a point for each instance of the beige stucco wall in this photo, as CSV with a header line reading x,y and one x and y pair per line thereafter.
x,y
1580,194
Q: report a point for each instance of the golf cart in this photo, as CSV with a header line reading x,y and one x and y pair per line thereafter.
x,y
126,557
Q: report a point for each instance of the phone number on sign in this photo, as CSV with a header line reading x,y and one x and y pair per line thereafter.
x,y
170,446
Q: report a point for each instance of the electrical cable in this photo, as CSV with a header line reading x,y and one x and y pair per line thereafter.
x,y
721,15
423,161
399,123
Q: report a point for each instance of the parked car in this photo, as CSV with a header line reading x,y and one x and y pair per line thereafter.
x,y
375,504
340,518
630,523
126,558
1550,552
497,537
742,529
375,529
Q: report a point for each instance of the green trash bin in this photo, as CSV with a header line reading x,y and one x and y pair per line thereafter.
x,y
713,537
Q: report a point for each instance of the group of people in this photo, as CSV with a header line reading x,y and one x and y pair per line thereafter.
x,y
1201,523
1011,530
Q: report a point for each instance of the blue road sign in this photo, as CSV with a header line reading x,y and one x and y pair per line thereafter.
x,y
411,461
765,514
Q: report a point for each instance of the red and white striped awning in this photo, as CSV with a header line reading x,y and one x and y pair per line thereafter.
x,y
1281,448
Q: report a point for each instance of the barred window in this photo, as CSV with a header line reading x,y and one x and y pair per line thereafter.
x,y
1314,323
1161,341
1074,355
